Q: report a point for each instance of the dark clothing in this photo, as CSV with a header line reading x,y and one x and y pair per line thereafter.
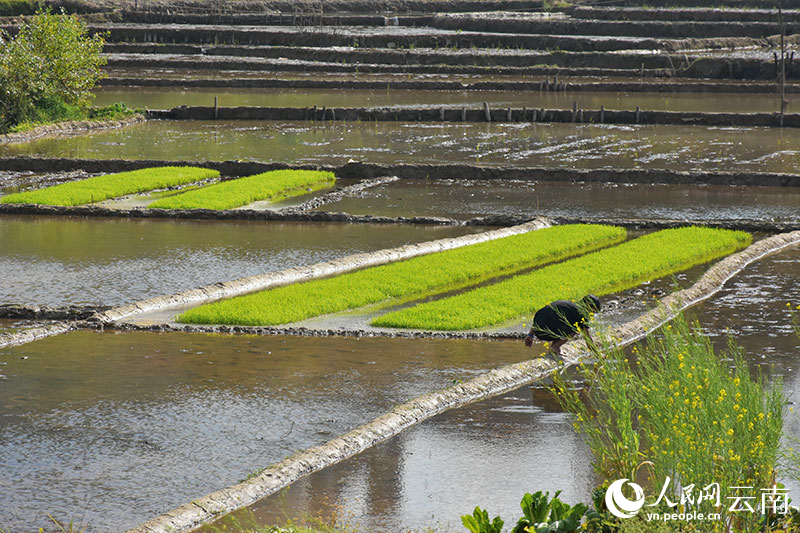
x,y
558,321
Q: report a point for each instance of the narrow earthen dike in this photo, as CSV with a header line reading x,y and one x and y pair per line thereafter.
x,y
410,171
483,114
74,127
493,383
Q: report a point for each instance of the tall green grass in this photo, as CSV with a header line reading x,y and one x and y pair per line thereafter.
x,y
402,279
274,185
110,186
626,265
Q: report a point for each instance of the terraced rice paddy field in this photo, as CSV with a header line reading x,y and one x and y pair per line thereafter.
x,y
330,212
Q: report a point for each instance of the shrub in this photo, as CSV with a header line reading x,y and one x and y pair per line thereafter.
x,y
48,69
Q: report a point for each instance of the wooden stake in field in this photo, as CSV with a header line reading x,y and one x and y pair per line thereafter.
x,y
782,73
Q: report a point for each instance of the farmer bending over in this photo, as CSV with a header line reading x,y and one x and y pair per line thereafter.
x,y
561,320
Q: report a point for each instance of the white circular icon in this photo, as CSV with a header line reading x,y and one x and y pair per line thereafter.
x,y
618,504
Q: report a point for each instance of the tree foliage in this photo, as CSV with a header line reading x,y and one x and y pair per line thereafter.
x,y
48,67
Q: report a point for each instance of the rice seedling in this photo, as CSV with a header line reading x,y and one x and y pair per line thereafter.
x,y
274,185
100,188
613,269
435,272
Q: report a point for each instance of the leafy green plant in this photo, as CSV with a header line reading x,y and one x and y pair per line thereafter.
x,y
684,411
478,522
274,185
48,69
57,110
110,186
542,515
606,271
430,273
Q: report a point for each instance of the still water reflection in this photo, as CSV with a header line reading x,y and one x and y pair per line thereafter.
x,y
66,260
115,428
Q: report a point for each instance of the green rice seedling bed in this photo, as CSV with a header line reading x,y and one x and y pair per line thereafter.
x,y
100,188
274,185
435,272
603,272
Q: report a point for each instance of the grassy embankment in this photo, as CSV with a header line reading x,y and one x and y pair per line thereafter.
x,y
275,185
614,269
53,112
413,277
110,186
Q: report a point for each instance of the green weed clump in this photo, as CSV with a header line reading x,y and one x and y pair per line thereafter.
x,y
621,267
434,272
274,185
110,186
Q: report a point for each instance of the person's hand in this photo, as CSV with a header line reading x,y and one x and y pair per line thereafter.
x,y
529,341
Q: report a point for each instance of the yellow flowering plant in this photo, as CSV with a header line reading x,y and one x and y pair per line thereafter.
x,y
683,411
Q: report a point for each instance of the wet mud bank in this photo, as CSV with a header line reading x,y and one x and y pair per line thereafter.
x,y
338,194
562,51
293,275
44,312
420,171
508,23
25,336
339,6
301,214
564,34
74,127
667,86
491,384
268,18
696,14
537,64
485,114
291,214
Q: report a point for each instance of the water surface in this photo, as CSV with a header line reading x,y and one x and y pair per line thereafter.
x,y
167,98
112,429
546,145
465,199
104,261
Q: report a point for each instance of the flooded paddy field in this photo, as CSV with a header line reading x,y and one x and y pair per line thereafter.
x,y
490,453
114,428
465,199
606,80
160,98
583,146
64,260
